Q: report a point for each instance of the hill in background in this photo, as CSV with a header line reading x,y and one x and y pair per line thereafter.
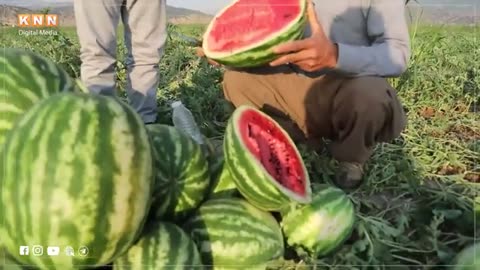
x,y
8,14
458,12
427,11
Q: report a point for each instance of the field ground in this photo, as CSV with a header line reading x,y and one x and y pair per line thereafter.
x,y
417,209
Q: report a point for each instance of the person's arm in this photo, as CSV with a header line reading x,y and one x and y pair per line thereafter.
x,y
389,52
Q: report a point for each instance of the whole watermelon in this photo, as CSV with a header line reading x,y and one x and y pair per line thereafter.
x,y
181,173
9,264
233,234
78,171
6,261
323,225
25,78
468,258
163,245
222,184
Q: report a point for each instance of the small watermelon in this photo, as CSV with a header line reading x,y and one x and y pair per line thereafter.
x,y
182,175
26,78
323,225
263,161
77,172
468,258
163,245
222,184
233,234
244,32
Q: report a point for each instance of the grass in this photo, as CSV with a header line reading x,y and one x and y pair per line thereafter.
x,y
417,209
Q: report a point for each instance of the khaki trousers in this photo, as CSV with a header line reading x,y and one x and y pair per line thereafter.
x,y
354,113
145,35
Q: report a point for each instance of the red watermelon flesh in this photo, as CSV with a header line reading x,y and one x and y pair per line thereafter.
x,y
247,22
274,151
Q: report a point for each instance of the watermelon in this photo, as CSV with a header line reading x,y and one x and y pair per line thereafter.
x,y
243,33
6,261
163,245
25,78
78,171
233,234
468,258
323,225
182,175
476,210
8,264
222,184
263,161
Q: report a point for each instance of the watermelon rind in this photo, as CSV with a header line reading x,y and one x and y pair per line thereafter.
x,y
259,53
323,225
468,258
231,233
6,261
163,245
77,171
9,264
222,184
251,178
27,77
182,176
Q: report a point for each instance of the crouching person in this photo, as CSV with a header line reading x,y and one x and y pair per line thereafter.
x,y
332,84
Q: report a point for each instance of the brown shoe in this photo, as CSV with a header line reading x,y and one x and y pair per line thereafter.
x,y
349,175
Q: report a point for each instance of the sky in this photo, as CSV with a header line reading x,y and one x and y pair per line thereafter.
x,y
214,5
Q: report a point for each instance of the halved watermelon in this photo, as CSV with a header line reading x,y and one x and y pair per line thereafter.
x,y
243,33
263,161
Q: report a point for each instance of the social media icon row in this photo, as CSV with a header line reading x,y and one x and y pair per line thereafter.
x,y
52,251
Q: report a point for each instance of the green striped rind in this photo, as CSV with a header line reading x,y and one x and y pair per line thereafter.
x,y
77,172
323,225
468,258
6,261
9,264
182,174
262,53
26,78
162,246
476,210
249,175
224,186
233,234
216,168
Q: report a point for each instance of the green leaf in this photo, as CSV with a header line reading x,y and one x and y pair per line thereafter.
x,y
448,213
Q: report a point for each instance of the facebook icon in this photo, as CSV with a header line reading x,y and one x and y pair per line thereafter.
x,y
23,250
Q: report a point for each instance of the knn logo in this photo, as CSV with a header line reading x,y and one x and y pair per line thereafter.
x,y
37,20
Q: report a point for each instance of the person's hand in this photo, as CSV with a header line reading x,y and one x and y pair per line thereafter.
x,y
201,53
312,53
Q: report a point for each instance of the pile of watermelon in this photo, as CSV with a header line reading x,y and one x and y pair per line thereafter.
x,y
82,170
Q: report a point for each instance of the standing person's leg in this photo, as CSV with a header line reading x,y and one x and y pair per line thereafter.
x,y
96,23
145,36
